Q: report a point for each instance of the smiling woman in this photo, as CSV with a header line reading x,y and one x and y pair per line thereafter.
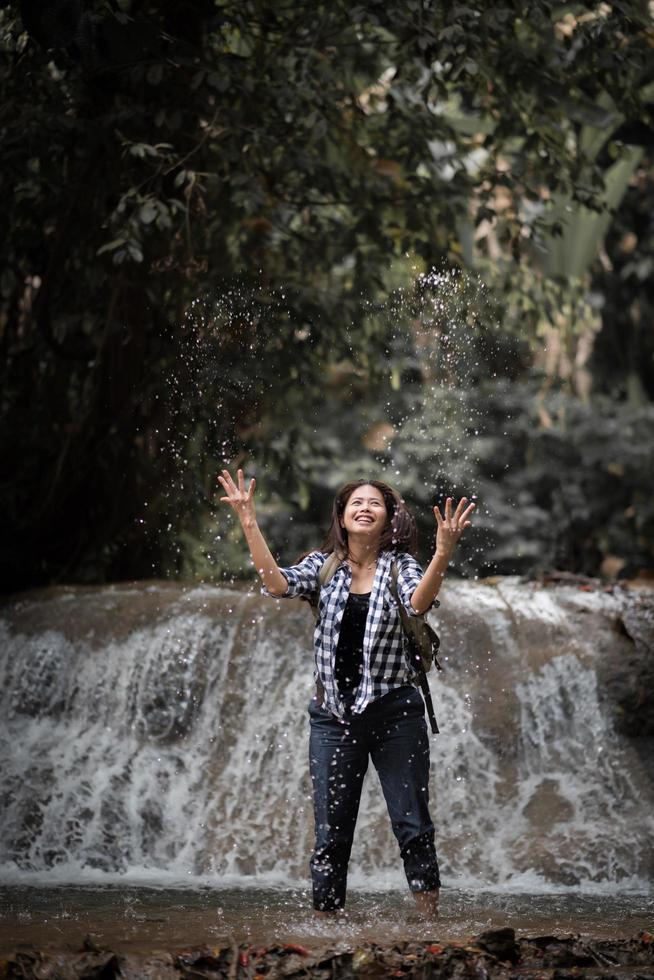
x,y
366,705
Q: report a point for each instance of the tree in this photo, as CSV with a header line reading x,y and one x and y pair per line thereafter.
x,y
157,156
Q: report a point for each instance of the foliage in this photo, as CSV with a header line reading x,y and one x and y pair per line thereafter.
x,y
623,354
202,200
559,482
572,494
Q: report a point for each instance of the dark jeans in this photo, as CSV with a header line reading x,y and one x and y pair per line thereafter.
x,y
393,733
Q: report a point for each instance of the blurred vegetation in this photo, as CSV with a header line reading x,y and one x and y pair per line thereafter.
x,y
214,217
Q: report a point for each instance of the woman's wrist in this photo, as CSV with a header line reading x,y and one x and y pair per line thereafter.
x,y
248,522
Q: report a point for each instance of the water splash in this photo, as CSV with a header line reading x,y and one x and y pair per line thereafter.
x,y
400,392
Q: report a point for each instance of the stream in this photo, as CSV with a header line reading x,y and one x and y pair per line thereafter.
x,y
155,785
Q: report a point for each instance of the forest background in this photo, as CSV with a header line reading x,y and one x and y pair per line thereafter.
x,y
410,240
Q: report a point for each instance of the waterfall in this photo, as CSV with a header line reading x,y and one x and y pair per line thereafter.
x,y
161,733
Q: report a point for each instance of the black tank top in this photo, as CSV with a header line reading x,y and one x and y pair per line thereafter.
x,y
349,652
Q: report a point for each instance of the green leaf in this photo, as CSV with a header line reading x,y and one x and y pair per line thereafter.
x,y
148,212
110,246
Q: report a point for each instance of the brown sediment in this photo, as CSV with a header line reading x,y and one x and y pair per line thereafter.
x,y
492,955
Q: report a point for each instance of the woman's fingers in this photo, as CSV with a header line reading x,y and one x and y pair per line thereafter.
x,y
457,521
230,489
230,485
236,494
226,488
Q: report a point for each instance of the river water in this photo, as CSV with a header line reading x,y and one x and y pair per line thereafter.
x,y
154,785
142,919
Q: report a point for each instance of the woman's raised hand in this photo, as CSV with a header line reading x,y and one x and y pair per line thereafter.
x,y
237,496
452,525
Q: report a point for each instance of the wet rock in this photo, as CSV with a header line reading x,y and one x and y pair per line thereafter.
x,y
547,806
157,968
206,962
551,952
63,966
500,943
626,670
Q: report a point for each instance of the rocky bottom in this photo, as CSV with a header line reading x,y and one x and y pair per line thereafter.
x,y
493,955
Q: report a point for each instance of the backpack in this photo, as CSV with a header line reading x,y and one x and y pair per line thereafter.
x,y
422,642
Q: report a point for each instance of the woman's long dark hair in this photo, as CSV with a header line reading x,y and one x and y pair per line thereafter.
x,y
400,533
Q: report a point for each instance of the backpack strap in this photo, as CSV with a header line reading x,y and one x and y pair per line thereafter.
x,y
429,704
415,654
328,570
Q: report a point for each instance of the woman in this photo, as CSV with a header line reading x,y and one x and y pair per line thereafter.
x,y
366,705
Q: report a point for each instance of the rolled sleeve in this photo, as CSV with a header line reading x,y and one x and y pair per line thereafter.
x,y
409,575
302,579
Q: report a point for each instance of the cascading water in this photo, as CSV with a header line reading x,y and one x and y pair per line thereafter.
x,y
159,733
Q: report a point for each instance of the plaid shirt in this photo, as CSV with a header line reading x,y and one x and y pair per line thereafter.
x,y
385,663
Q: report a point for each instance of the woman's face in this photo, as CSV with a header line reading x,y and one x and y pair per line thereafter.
x,y
365,513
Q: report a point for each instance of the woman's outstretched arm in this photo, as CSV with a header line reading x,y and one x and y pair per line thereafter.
x,y
450,529
242,501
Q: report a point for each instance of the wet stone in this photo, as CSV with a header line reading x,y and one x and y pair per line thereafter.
x,y
499,943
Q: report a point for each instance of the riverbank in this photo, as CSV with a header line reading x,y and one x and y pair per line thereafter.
x,y
492,955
